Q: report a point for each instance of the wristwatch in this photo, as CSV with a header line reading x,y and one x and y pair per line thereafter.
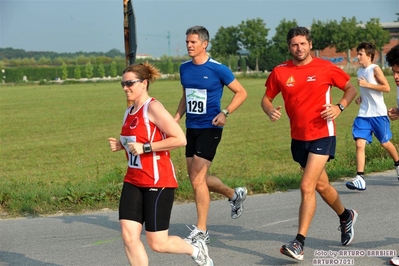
x,y
147,147
341,107
225,112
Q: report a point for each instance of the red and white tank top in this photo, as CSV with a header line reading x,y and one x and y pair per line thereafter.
x,y
154,169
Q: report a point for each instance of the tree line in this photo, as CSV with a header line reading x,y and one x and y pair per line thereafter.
x,y
73,70
53,57
241,47
263,54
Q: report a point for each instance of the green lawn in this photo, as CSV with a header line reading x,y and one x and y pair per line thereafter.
x,y
55,155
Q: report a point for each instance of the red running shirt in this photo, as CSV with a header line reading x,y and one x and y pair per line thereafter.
x,y
305,89
154,169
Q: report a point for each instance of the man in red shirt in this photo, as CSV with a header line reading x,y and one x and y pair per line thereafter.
x,y
305,84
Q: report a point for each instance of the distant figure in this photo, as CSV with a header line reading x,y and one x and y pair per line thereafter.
x,y
392,58
203,80
148,133
372,117
305,84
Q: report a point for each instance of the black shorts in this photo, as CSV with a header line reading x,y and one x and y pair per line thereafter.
x,y
301,149
203,142
150,205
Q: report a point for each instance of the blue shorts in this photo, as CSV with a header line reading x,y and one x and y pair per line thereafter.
x,y
364,127
300,149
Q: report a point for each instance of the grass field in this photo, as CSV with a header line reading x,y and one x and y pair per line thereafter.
x,y
55,155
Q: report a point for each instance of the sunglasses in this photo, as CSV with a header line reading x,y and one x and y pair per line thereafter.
x,y
129,83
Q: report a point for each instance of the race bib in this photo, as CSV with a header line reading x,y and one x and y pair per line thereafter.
x,y
196,101
133,161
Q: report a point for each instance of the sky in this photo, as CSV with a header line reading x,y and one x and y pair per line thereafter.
x,y
97,25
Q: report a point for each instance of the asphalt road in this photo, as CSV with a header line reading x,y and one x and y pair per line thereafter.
x,y
268,221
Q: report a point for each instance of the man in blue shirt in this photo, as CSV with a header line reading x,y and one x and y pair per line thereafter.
x,y
203,79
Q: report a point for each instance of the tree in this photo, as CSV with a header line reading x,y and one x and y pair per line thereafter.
x,y
114,53
82,60
225,43
268,59
233,60
242,62
23,61
16,61
279,40
347,37
253,34
44,61
114,71
274,57
89,70
64,71
77,72
102,60
165,64
169,66
58,60
373,32
101,70
322,34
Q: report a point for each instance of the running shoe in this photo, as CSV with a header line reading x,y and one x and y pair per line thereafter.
x,y
202,257
346,228
397,170
394,260
294,249
357,183
197,234
237,206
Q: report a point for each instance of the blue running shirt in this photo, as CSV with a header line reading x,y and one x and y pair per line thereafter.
x,y
203,85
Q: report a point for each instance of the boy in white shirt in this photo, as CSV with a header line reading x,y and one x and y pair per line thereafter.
x,y
372,117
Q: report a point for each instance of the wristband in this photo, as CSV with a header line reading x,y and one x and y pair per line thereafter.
x,y
225,112
341,107
147,147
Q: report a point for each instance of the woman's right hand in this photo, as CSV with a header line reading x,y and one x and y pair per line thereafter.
x,y
114,144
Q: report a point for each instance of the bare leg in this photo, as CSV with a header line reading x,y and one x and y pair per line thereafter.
x,y
391,150
162,242
216,185
360,154
310,177
134,248
197,170
329,194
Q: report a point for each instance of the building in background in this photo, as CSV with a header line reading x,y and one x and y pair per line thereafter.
x,y
340,58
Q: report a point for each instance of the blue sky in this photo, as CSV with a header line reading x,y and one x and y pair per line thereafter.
x,y
97,25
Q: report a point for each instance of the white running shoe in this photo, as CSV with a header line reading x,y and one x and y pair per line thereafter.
x,y
397,170
197,234
357,183
237,206
395,260
202,257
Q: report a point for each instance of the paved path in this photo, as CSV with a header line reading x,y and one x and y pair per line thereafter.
x,y
268,221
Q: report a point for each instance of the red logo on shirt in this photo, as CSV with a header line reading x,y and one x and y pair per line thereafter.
x,y
290,81
134,123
